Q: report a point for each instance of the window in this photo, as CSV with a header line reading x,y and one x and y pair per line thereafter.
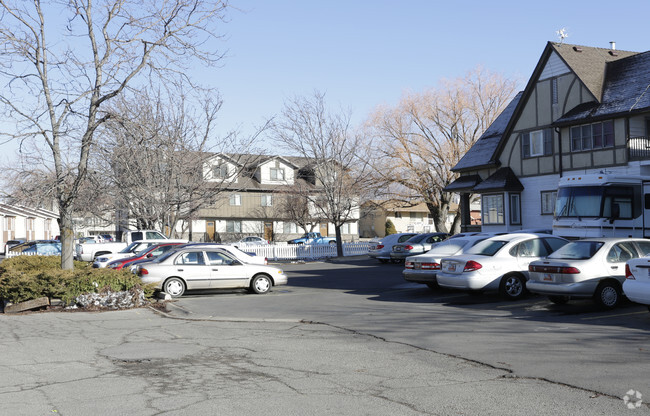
x,y
592,136
492,212
537,143
191,257
220,171
515,209
345,228
10,223
267,200
548,202
153,236
235,199
233,226
289,228
398,214
216,258
277,174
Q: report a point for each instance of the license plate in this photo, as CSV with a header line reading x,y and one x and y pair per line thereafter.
x,y
417,266
547,277
398,249
451,267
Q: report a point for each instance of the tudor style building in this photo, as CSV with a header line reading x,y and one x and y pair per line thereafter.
x,y
584,110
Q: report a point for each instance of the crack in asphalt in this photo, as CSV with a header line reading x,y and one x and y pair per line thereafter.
x,y
510,374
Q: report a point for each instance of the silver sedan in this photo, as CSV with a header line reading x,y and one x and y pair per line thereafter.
x,y
207,268
589,268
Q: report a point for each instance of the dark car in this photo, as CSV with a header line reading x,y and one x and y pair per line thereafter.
x,y
11,243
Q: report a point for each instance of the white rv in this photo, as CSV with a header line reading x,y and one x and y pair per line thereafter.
x,y
602,205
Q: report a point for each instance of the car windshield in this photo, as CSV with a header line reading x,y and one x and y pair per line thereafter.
x,y
129,248
449,247
577,250
144,251
487,247
417,238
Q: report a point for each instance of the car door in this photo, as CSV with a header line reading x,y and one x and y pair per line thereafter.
x,y
226,272
616,258
529,251
192,267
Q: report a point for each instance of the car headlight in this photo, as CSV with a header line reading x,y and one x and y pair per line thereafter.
x,y
114,265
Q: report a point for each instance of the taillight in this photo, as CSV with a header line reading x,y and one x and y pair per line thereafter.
x,y
628,273
408,247
266,260
143,271
379,246
430,266
472,265
408,264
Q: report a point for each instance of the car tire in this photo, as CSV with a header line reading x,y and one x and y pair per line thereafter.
x,y
174,287
558,299
332,243
513,286
433,285
608,294
261,284
383,261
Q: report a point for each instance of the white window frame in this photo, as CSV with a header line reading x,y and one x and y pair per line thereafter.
x,y
233,226
277,174
266,200
492,209
537,143
220,171
547,200
235,200
515,209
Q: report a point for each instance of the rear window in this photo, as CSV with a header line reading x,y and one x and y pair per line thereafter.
x,y
577,250
417,238
449,247
487,247
404,237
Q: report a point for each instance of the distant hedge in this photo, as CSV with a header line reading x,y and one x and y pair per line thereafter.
x,y
24,278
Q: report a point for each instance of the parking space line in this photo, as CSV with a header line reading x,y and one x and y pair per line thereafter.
x,y
613,316
516,305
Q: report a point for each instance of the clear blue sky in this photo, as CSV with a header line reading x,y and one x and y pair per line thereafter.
x,y
366,53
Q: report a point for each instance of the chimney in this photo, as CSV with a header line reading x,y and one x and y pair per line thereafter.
x,y
612,45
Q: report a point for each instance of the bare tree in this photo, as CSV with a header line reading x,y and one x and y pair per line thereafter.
x,y
153,151
58,75
417,142
294,203
308,128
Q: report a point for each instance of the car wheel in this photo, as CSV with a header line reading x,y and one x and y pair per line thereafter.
x,y
433,285
608,295
174,287
383,261
332,243
513,286
261,284
559,300
396,261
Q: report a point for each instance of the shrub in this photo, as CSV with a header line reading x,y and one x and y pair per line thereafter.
x,y
390,227
24,278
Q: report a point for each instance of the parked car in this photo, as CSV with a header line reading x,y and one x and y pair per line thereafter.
x,y
148,253
423,268
251,241
380,248
11,243
498,263
88,250
589,268
313,238
107,237
417,244
131,250
207,267
244,257
637,280
38,247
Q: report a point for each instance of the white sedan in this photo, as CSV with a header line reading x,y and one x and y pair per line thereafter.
x,y
498,263
423,268
207,267
637,280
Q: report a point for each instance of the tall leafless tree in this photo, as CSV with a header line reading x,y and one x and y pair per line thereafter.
x,y
417,142
309,129
63,61
153,151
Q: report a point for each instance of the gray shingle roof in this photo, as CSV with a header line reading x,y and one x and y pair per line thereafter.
x,y
589,63
626,90
504,179
482,153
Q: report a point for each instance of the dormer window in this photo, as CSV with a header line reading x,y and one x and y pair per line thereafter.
x,y
220,171
277,174
537,143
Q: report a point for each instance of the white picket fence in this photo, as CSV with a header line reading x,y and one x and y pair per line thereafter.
x,y
304,252
15,254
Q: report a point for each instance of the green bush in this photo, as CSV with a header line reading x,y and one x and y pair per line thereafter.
x,y
24,278
390,227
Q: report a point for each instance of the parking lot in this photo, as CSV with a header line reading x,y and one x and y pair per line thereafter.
x,y
576,344
343,337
